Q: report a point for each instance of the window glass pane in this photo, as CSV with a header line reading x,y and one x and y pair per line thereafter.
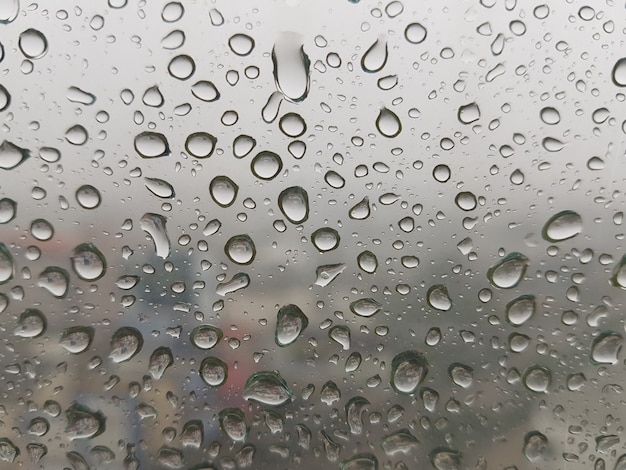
x,y
290,234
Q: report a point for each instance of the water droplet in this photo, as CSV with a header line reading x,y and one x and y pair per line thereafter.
x,y
8,451
205,336
465,201
9,9
268,388
33,43
55,280
216,17
237,282
213,371
520,310
160,188
360,462
31,324
388,123
223,190
619,72
35,451
241,44
294,204
330,393
192,434
155,226
266,165
446,459
354,410
153,97
77,339
200,144
170,457
327,273
606,347
243,145
562,226
366,307
77,135
160,360
361,210
240,249
415,33
399,442
469,113
151,145
334,179
290,323
172,11
8,211
76,95
408,370
535,445
375,57
341,335
618,279
181,67
88,197
125,344
291,67
83,423
537,378
552,145
508,272
550,115
353,362
325,239
437,297
7,268
441,173
270,111
233,423
88,262
292,125
11,155
461,375
41,230
367,261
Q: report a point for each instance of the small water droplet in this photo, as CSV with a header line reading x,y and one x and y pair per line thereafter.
x,y
243,145
240,249
619,72
160,360
76,95
341,335
205,336
327,273
375,58
461,375
200,144
7,268
367,261
361,210
8,211
325,239
241,44
181,67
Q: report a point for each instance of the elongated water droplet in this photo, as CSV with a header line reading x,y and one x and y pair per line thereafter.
x,y
270,111
83,423
238,281
127,282
233,423
562,226
508,272
160,188
375,57
341,335
388,123
77,339
31,324
290,323
213,371
520,309
361,210
366,307
294,204
354,411
76,95
223,191
205,90
268,388
160,360
438,298
606,347
618,74
151,145
415,33
291,67
155,226
205,336
408,371
399,442
7,268
535,445
327,273
11,155
125,344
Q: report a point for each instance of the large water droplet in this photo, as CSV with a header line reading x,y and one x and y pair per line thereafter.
x,y
469,113
160,188
192,434
7,268
619,72
88,262
8,451
268,388
325,239
83,423
240,249
237,282
9,10
388,123
353,362
520,310
243,145
205,336
438,298
213,371
181,67
290,323
537,378
606,347
408,371
169,457
160,359
360,462
76,95
360,210
354,409
205,90
399,442
127,282
155,226
461,375
375,57
367,261
200,144
55,280
153,97
77,135
508,272
233,423
223,190
125,344
11,155
562,226
31,324
550,115
366,307
266,165
415,33
294,204
535,445
327,273
341,335
33,43
292,125
77,339
88,197
291,67
151,145
8,210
